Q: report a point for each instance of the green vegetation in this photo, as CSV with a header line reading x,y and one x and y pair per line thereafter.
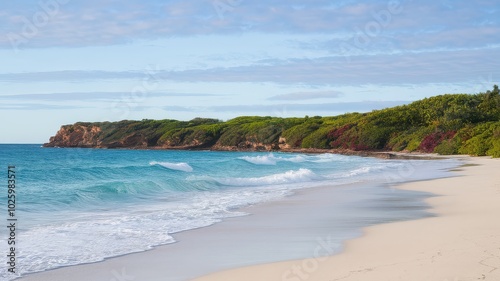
x,y
446,124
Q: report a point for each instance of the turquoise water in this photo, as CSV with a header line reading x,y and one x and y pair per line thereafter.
x,y
83,205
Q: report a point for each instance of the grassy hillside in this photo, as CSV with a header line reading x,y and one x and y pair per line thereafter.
x,y
446,124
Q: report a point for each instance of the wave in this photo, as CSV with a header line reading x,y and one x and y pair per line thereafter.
x,y
173,166
289,177
270,159
261,160
296,159
329,157
359,171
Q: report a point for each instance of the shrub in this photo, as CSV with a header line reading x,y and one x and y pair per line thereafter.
x,y
296,134
447,147
430,142
494,151
483,140
317,139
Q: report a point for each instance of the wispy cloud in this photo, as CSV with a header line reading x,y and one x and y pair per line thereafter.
x,y
69,75
92,96
408,68
36,106
298,96
362,106
404,68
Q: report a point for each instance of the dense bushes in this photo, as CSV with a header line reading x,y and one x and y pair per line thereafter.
x,y
262,130
483,140
296,134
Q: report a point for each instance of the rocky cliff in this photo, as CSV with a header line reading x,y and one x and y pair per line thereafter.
x,y
76,136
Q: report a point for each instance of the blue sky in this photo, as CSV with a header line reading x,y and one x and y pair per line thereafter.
x,y
65,61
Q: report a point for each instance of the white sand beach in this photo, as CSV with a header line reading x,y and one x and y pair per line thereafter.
x,y
461,243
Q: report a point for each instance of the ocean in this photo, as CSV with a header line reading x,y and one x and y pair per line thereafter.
x,y
77,206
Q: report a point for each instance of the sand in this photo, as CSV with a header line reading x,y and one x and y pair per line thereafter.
x,y
462,242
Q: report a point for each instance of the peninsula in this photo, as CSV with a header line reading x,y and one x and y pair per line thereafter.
x,y
446,124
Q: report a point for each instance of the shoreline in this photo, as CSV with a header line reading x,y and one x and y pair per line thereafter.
x,y
461,242
382,154
295,208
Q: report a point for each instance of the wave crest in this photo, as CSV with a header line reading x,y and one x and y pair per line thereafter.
x,y
270,159
173,166
289,177
260,160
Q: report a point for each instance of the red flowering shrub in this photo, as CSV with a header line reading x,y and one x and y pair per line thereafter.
x,y
430,142
339,139
337,132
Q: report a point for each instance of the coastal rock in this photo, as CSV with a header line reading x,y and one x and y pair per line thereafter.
x,y
75,136
130,141
282,143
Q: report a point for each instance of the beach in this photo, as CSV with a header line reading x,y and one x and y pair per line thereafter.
x,y
250,140
462,242
451,236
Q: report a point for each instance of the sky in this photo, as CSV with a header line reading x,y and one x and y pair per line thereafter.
x,y
64,61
